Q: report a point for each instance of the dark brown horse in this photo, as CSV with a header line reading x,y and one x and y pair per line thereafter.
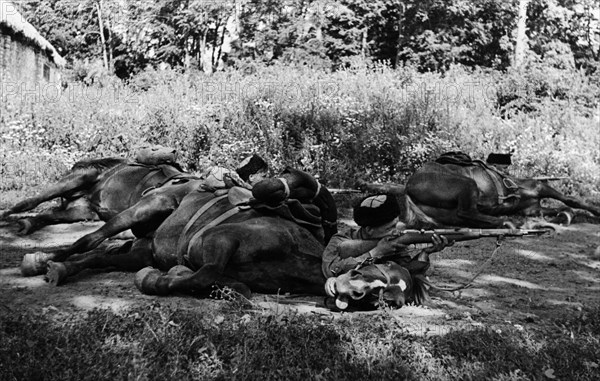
x,y
208,240
473,194
145,216
92,190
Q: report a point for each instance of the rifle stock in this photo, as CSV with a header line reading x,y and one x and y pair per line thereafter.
x,y
424,236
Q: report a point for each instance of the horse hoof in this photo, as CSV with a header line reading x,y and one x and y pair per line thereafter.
x,y
151,282
35,263
25,226
179,271
57,273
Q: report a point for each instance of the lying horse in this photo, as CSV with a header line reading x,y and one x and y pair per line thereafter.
x,y
464,192
208,240
91,190
144,217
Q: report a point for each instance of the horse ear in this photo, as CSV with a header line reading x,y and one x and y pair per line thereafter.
x,y
395,294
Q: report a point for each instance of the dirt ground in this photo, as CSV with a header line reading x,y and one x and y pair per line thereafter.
x,y
530,281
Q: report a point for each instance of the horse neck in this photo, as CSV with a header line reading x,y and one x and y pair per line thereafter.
x,y
326,204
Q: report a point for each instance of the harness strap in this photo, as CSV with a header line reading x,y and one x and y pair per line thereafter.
x,y
200,212
317,191
502,186
509,183
231,212
388,279
286,186
169,178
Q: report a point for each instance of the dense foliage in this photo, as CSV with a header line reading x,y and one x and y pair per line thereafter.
x,y
431,35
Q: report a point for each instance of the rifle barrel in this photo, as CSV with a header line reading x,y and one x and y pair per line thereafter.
x,y
549,178
425,236
343,191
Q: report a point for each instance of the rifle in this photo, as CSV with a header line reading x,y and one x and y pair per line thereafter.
x,y
549,178
462,234
355,248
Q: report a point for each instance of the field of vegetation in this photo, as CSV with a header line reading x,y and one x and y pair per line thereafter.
x,y
229,343
366,122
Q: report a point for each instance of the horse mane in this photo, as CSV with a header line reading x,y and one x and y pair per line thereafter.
x,y
415,218
175,165
99,164
419,293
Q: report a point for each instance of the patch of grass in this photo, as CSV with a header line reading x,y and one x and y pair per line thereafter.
x,y
162,342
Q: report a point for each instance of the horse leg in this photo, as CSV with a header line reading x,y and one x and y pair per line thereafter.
x,y
131,256
68,184
149,211
546,191
212,253
57,215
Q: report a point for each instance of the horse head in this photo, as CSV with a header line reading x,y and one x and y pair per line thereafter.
x,y
376,283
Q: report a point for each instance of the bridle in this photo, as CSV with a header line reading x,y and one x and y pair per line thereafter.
x,y
378,266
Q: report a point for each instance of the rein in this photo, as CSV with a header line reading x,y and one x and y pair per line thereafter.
x,y
470,282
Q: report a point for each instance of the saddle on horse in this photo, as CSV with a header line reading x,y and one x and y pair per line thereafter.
x,y
505,186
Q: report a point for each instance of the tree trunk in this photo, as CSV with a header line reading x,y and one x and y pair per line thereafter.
x,y
521,43
101,26
363,49
221,44
187,58
202,50
214,47
401,10
109,44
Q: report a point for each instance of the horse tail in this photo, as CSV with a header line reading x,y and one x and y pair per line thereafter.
x,y
420,287
415,217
